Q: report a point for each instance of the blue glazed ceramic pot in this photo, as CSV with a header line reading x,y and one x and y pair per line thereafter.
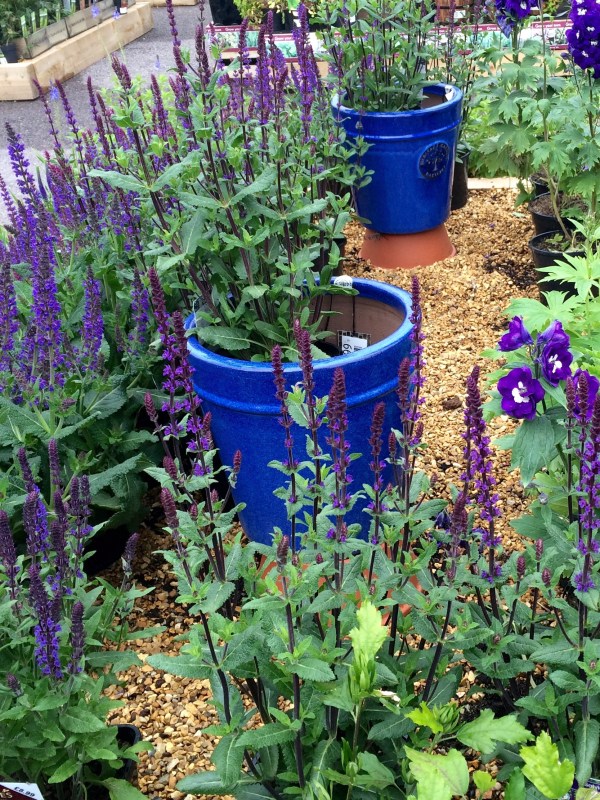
x,y
241,398
411,156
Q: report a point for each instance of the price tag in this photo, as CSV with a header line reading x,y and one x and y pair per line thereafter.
x,y
349,342
343,280
18,791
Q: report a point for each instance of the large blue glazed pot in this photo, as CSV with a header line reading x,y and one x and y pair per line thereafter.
x,y
411,155
241,398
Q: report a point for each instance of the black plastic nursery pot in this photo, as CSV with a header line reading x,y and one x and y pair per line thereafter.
x,y
225,12
460,179
539,184
10,52
543,256
544,221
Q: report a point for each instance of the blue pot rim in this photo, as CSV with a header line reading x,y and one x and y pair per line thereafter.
x,y
435,88
373,290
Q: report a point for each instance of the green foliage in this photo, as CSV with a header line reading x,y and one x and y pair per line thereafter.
x,y
544,769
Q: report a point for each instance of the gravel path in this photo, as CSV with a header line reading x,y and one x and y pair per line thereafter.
x,y
464,299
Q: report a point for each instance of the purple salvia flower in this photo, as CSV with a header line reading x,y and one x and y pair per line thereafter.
x,y
173,24
73,126
585,390
77,639
80,511
458,527
26,472
9,203
13,684
54,465
20,166
521,566
337,419
583,583
9,319
122,73
92,325
140,306
129,553
8,555
517,336
35,523
46,630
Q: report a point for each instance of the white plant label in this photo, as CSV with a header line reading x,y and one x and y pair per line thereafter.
x,y
16,791
351,342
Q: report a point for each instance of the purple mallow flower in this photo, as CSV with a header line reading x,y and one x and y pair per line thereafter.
x,y
583,38
517,336
520,392
556,363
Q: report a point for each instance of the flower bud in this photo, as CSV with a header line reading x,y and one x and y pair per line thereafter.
x,y
319,558
282,551
546,577
539,549
520,567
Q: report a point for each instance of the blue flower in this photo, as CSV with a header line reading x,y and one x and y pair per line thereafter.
x,y
520,392
556,363
517,336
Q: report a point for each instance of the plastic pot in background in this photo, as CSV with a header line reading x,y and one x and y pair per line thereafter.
x,y
544,257
539,184
460,179
10,52
542,215
224,12
411,156
245,413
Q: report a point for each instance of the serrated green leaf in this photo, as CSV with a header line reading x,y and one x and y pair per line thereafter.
x,y
120,789
227,758
450,772
543,768
202,783
483,780
515,788
587,737
186,665
425,716
482,733
313,669
266,736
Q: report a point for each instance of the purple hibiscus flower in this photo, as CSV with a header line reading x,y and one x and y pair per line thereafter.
x,y
517,336
521,393
556,363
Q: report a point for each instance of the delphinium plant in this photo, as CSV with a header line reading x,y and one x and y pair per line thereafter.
x,y
552,638
381,53
53,670
242,190
312,636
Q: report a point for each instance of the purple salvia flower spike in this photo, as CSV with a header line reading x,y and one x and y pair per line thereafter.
x,y
77,639
8,555
46,630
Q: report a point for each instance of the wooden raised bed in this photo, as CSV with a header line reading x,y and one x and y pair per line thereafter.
x,y
70,57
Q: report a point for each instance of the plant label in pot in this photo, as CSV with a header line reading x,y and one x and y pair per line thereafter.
x,y
18,791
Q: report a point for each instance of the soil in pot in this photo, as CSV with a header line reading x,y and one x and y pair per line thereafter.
x,y
542,213
539,184
547,249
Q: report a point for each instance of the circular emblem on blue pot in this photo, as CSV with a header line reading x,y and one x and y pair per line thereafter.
x,y
434,160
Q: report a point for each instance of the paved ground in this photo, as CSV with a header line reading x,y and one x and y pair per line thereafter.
x,y
150,53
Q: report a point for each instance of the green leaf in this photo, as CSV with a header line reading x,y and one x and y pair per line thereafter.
x,y
264,181
119,789
483,780
326,754
482,733
227,338
515,788
193,231
550,776
202,783
186,666
533,446
587,737
449,772
79,720
394,727
370,634
425,716
266,736
379,776
118,180
313,669
253,791
561,653
227,758
66,770
108,477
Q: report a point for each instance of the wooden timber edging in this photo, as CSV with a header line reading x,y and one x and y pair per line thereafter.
x,y
69,58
